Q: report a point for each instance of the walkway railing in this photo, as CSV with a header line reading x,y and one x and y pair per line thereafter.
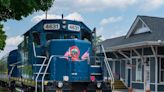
x,y
108,66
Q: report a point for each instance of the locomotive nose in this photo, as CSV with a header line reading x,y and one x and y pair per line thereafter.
x,y
74,65
75,49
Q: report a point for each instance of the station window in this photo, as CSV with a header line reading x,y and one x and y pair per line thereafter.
x,y
36,38
52,36
139,70
162,70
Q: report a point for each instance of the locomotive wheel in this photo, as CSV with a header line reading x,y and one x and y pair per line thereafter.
x,y
2,84
12,86
30,89
91,87
66,88
106,88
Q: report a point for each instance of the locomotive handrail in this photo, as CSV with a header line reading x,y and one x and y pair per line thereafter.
x,y
108,66
13,66
51,57
11,71
45,58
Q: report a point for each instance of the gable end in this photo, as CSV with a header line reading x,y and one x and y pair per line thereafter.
x,y
139,26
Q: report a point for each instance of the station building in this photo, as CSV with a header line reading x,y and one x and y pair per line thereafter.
x,y
137,59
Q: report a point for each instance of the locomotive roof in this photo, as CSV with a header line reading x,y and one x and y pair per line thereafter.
x,y
39,26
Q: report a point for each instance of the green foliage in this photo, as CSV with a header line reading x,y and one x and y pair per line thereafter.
x,y
97,40
2,37
17,9
27,71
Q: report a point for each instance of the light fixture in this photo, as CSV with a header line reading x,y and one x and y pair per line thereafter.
x,y
99,85
60,84
65,78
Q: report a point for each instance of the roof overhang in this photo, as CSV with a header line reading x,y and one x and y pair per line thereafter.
x,y
134,45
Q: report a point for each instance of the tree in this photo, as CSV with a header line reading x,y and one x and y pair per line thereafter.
x,y
17,9
98,39
2,37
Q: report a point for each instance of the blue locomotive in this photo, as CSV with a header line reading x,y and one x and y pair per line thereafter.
x,y
55,55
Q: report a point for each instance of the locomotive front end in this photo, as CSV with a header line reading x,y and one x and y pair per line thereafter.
x,y
55,55
70,60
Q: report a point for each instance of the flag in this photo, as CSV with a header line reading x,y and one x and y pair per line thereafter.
x,y
67,54
85,55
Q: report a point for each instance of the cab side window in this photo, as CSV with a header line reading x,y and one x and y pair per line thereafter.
x,y
36,38
86,36
25,43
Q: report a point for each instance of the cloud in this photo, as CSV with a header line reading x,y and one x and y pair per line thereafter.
x,y
11,44
107,33
38,18
14,41
91,5
110,20
6,28
119,3
72,16
117,33
101,31
100,5
111,33
150,5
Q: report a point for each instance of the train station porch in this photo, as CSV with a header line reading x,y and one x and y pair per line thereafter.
x,y
137,59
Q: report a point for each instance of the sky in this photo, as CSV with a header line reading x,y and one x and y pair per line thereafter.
x,y
112,18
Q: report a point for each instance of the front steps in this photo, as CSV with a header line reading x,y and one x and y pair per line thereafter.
x,y
119,85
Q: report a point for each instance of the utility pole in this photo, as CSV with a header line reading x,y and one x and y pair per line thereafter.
x,y
46,14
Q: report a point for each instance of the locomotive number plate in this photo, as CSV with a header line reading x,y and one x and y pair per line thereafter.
x,y
73,27
51,26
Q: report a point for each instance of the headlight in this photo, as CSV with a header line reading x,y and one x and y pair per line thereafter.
x,y
65,78
60,84
99,85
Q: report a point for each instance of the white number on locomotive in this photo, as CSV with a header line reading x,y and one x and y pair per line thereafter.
x,y
51,26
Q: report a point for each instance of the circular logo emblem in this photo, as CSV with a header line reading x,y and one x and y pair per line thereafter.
x,y
74,53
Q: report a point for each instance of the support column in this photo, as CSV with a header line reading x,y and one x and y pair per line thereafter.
x,y
156,68
117,58
143,60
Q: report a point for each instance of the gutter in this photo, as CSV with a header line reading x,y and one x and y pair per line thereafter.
x,y
134,45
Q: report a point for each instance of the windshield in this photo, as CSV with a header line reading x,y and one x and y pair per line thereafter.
x,y
50,36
